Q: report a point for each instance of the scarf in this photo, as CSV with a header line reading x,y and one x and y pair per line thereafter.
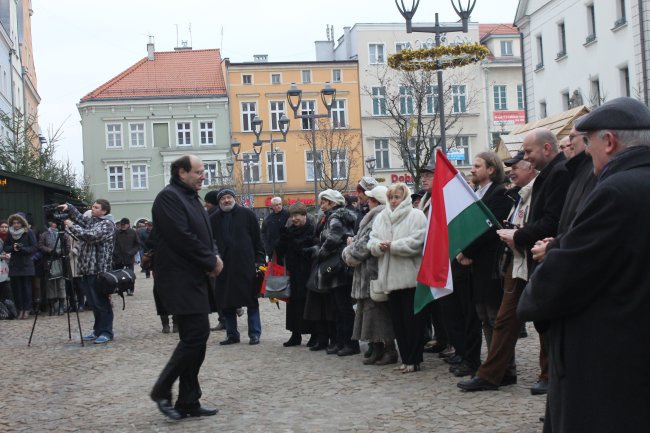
x,y
16,234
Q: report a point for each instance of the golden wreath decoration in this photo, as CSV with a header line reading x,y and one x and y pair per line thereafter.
x,y
442,57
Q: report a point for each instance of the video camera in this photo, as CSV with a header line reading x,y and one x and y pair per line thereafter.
x,y
52,212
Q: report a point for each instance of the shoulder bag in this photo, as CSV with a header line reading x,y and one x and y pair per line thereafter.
x,y
277,286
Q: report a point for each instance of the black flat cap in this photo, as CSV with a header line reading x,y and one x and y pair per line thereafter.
x,y
418,194
125,220
429,168
515,159
619,113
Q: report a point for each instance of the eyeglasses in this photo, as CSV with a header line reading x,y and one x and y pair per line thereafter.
x,y
576,135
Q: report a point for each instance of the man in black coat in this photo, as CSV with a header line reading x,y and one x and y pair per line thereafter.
x,y
273,225
595,286
126,247
237,233
185,260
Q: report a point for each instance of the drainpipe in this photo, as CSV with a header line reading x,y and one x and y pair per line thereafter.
x,y
644,61
523,76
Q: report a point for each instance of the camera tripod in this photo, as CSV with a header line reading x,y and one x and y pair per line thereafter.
x,y
66,276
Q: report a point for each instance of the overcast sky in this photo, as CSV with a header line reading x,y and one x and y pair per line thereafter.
x,y
80,44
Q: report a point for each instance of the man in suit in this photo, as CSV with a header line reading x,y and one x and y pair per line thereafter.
x,y
186,258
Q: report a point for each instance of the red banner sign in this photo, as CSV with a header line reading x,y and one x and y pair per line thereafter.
x,y
290,201
510,117
406,178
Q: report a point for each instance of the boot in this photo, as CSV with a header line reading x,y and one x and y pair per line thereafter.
x,y
351,348
61,311
164,319
174,325
377,353
368,353
320,344
295,340
390,355
51,309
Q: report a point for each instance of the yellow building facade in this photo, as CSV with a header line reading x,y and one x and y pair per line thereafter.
x,y
260,89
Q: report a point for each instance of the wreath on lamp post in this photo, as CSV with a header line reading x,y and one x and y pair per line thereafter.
x,y
442,57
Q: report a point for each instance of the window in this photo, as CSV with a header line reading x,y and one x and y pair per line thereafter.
x,y
306,76
276,79
113,136
382,153
620,13
184,133
375,54
310,163
506,48
336,75
405,100
432,100
459,97
458,153
500,98
248,110
115,177
307,107
339,164
247,79
542,109
624,73
251,167
566,100
561,37
206,130
160,135
591,24
540,52
338,114
137,134
520,96
378,101
210,171
399,46
276,109
139,178
279,166
594,96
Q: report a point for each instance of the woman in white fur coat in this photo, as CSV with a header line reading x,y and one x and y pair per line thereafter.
x,y
397,238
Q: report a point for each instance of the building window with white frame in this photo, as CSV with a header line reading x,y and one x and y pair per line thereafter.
x,y
310,163
206,132
539,43
339,114
184,133
500,98
382,153
339,164
115,177
458,153
520,96
621,17
139,176
306,76
591,23
113,136
246,79
378,101
248,110
459,98
624,73
376,54
561,38
276,79
542,109
400,46
506,49
251,167
336,76
307,107
276,109
432,100
136,132
213,172
405,100
279,166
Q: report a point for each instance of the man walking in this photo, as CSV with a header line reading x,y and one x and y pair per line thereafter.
x,y
126,247
186,259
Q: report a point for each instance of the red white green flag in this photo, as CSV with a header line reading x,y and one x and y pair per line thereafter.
x,y
456,217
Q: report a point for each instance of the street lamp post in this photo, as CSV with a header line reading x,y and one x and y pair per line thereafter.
x,y
235,148
437,29
283,124
370,164
328,96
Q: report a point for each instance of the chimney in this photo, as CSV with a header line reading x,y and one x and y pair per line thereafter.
x,y
150,49
260,58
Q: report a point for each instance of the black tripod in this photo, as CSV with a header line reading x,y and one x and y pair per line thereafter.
x,y
66,275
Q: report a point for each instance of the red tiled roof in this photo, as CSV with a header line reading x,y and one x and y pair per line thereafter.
x,y
485,30
171,73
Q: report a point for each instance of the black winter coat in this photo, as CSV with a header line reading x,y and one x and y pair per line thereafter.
x,y
237,234
293,240
583,181
126,246
271,229
21,263
595,287
184,251
338,227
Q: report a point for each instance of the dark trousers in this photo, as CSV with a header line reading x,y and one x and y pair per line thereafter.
x,y
409,328
185,362
101,305
22,291
344,314
504,335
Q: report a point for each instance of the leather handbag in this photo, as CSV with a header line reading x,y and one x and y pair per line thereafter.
x,y
146,262
278,286
329,268
376,293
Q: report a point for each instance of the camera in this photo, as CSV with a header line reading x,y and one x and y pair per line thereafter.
x,y
52,212
18,246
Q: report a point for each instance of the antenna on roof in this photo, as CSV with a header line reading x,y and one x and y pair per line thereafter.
x,y
190,34
176,34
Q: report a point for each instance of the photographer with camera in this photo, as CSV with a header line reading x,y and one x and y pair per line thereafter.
x,y
21,244
97,233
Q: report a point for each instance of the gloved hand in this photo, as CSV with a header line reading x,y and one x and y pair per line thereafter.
x,y
310,251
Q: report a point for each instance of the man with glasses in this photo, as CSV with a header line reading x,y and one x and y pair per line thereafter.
x,y
595,286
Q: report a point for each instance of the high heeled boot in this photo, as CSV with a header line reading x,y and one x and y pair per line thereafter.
x,y
377,353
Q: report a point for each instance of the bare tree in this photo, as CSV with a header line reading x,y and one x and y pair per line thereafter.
x,y
339,154
410,104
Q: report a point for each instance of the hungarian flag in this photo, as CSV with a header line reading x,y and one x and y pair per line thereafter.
x,y
456,217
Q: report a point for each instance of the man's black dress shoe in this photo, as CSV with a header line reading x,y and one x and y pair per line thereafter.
x,y
165,406
540,388
253,340
333,349
477,384
201,411
318,346
229,341
454,360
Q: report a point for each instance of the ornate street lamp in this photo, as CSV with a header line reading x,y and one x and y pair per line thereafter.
x,y
463,13
294,98
258,124
370,164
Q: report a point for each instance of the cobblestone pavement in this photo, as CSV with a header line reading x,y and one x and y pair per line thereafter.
x,y
58,386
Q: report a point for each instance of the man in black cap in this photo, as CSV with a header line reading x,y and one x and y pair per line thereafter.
x,y
595,285
126,247
416,197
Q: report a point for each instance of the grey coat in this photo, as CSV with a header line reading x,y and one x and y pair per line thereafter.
x,y
358,256
338,227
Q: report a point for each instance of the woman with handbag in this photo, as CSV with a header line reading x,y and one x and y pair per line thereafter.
x,y
296,236
5,290
372,321
397,238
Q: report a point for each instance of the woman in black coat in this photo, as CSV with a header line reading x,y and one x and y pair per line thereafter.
x,y
294,238
21,244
